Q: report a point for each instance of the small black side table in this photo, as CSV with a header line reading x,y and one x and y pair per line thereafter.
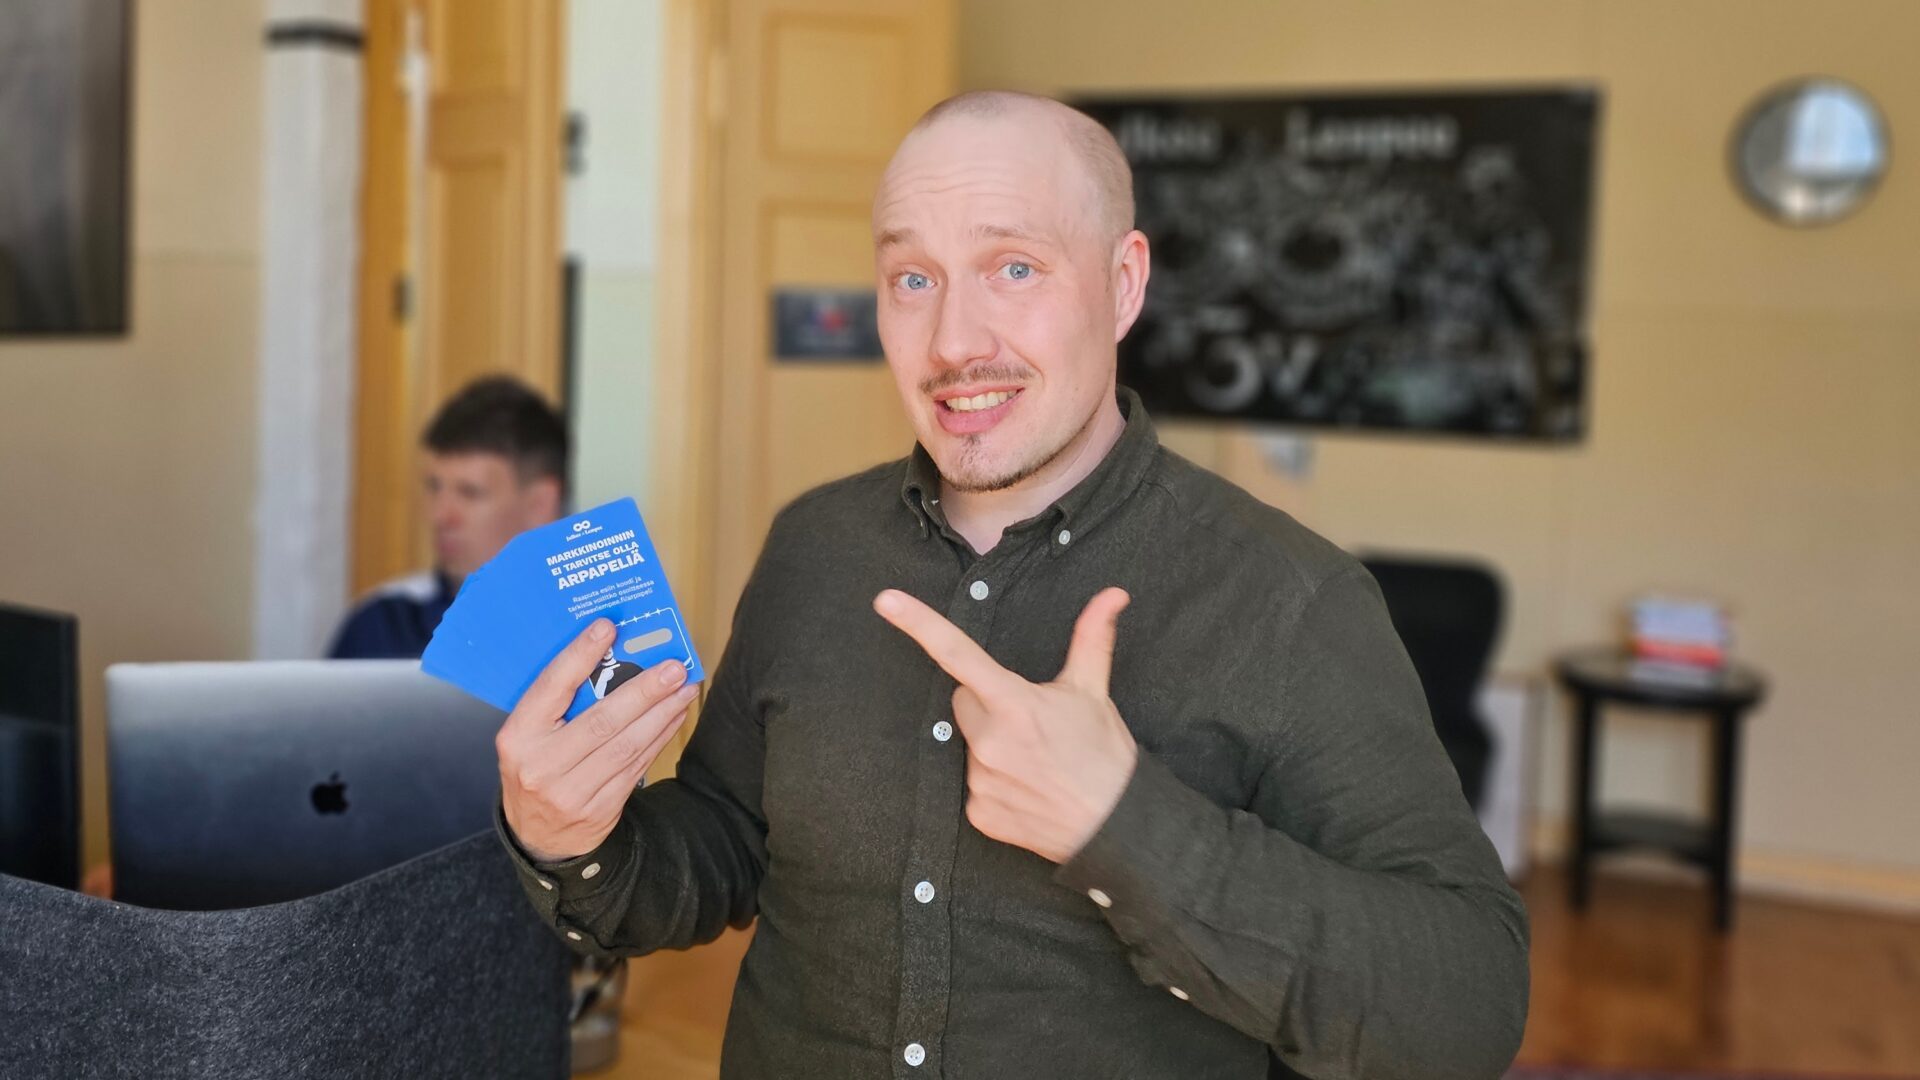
x,y
1594,676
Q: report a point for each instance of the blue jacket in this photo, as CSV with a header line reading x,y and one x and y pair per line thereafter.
x,y
395,621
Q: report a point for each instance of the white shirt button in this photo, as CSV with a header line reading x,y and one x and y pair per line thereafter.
x,y
545,884
923,892
573,935
978,590
1099,897
942,731
1177,992
915,1054
1065,537
592,869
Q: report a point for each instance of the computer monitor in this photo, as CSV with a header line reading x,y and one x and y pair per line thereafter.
x,y
238,784
39,746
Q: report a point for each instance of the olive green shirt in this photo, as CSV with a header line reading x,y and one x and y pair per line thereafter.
x,y
1291,866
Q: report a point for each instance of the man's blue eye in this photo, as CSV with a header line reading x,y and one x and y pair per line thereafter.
x,y
1019,271
915,282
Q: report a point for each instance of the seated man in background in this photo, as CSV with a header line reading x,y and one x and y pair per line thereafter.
x,y
496,466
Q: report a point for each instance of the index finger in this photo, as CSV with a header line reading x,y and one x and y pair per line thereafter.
x,y
553,689
949,646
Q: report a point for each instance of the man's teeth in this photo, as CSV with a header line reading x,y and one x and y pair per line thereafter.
x,y
980,401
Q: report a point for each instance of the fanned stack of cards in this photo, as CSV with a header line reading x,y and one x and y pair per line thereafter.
x,y
514,615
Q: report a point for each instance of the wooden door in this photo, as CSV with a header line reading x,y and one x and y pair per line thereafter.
x,y
460,270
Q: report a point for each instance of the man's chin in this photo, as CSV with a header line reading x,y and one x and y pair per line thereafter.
x,y
969,484
975,474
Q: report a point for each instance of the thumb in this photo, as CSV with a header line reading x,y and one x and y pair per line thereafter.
x,y
1090,658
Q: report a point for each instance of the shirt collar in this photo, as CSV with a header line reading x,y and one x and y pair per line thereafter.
x,y
1079,510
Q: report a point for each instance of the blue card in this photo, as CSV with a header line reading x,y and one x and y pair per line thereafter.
x,y
514,615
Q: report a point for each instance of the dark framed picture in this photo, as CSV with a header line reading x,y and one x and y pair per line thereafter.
x,y
63,166
1401,262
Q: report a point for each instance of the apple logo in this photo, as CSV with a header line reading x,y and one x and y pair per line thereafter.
x,y
330,797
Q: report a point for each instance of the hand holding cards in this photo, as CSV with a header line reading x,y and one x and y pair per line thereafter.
x,y
563,786
573,619
515,614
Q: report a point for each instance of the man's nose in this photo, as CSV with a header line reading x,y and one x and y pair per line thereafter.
x,y
961,334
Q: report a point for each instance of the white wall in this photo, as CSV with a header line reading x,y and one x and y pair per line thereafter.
x,y
612,228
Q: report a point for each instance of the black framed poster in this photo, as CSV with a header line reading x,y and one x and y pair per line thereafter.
x,y
1413,262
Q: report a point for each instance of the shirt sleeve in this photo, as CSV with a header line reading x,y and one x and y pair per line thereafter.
x,y
686,858
1354,916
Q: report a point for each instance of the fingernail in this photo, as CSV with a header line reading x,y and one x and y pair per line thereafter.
x,y
601,630
886,602
672,674
687,693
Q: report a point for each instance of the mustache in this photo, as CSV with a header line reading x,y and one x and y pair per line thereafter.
x,y
997,372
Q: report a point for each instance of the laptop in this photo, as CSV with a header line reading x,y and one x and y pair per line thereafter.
x,y
238,784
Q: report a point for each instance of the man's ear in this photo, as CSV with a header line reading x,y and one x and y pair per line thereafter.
x,y
541,499
1131,265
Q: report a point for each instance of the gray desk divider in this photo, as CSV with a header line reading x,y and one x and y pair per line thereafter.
x,y
437,967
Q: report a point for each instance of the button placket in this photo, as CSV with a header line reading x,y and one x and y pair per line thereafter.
x,y
926,945
926,929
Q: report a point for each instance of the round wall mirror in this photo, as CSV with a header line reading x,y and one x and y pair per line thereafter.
x,y
1810,152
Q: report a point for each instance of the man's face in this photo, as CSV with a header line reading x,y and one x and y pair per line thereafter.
x,y
996,303
476,502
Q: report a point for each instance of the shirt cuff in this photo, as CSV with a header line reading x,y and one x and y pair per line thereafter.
x,y
558,888
1142,865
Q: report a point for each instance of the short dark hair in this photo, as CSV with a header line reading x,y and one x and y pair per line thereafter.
x,y
501,415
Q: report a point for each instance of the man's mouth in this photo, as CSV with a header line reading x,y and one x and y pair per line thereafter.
x,y
979,401
970,414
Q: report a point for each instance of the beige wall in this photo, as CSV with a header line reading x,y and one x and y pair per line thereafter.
x,y
1755,409
126,464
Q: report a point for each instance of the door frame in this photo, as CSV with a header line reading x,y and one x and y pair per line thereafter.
x,y
686,412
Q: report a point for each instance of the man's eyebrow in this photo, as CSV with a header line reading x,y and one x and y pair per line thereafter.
x,y
904,236
1009,232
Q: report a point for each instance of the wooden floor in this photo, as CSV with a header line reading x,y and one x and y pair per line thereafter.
x,y
1641,981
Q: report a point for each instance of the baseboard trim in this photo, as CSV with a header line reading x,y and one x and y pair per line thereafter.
x,y
1894,889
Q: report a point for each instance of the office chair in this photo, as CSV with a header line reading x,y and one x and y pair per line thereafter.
x,y
1448,614
435,967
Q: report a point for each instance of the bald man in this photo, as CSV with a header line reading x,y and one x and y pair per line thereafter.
x,y
1042,752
